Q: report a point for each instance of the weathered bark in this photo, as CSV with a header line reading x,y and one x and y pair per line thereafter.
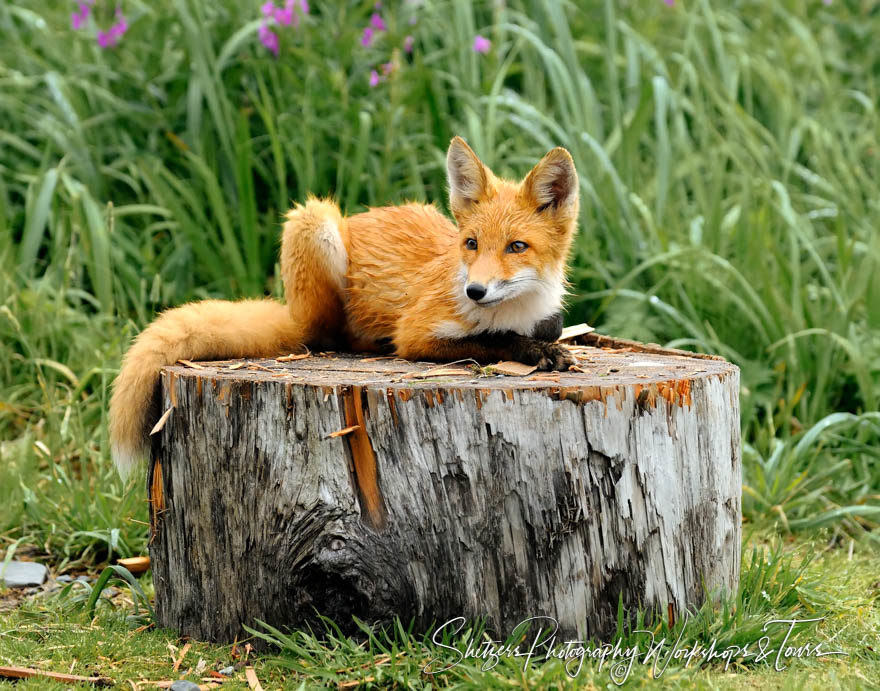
x,y
454,495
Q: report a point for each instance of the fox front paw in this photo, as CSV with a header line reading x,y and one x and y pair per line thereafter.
x,y
547,356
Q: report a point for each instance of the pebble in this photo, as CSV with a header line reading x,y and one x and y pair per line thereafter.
x,y
66,578
21,574
228,671
183,685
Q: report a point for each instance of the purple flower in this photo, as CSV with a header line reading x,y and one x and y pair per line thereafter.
x,y
268,9
284,15
374,78
387,68
481,44
377,22
114,34
408,44
669,3
269,39
78,19
120,27
826,2
304,6
367,38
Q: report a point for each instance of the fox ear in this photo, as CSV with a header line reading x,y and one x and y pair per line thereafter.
x,y
468,177
553,183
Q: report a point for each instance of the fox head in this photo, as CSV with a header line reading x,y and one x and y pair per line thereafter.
x,y
514,238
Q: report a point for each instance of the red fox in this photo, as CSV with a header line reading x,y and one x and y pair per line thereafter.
x,y
400,279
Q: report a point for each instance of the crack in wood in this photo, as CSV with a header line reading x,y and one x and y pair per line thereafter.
x,y
363,457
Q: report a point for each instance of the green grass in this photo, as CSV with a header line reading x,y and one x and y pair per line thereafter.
x,y
803,580
729,155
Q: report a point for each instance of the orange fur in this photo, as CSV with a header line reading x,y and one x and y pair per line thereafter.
x,y
393,277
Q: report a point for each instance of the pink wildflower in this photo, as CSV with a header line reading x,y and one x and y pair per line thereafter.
x,y
669,3
374,78
377,22
285,16
268,9
408,44
367,38
114,34
269,39
481,44
78,19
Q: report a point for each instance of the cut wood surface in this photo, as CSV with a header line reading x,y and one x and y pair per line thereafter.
x,y
378,487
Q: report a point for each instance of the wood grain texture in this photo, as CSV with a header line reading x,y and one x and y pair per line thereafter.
x,y
457,495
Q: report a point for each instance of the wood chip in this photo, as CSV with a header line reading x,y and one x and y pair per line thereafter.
x,y
30,673
254,365
571,332
292,357
162,420
343,432
439,372
510,368
137,565
544,376
182,655
188,363
379,358
252,680
237,365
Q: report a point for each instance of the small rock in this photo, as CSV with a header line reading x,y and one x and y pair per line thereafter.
x,y
228,671
83,579
183,685
21,574
66,578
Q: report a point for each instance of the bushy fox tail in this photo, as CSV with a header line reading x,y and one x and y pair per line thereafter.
x,y
207,330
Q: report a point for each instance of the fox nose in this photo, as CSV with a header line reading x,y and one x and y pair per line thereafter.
x,y
475,291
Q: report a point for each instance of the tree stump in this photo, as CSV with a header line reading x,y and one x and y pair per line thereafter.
x,y
377,487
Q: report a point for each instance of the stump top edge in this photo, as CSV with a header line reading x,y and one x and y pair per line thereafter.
x,y
631,365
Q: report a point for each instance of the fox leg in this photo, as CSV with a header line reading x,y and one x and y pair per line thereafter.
x,y
549,328
485,348
314,264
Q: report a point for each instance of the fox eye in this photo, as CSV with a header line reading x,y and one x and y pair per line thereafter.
x,y
470,243
517,247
